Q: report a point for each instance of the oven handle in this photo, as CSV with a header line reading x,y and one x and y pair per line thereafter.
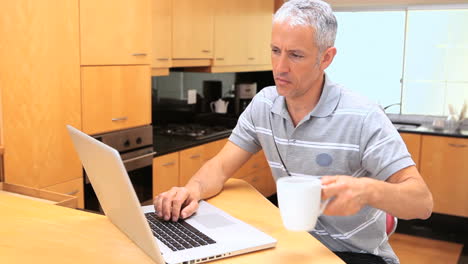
x,y
139,157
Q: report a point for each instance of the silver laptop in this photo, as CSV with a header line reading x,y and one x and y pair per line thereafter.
x,y
209,234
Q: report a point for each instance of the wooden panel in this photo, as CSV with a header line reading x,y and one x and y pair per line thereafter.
x,y
418,250
279,3
413,143
191,161
192,32
388,3
162,34
257,161
115,32
44,196
262,180
230,39
165,172
115,97
444,167
73,188
40,78
259,21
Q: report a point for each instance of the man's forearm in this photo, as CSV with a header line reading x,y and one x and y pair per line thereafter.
x,y
409,199
208,180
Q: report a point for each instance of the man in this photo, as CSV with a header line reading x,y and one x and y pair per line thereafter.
x,y
308,125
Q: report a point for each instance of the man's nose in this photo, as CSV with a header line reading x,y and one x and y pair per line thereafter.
x,y
282,63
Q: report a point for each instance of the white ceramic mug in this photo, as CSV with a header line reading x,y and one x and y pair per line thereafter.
x,y
300,202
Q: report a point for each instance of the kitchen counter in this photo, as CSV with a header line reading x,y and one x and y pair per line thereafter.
x,y
167,144
35,232
434,132
422,124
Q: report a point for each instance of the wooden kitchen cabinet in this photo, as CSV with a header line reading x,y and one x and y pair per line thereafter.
x,y
257,172
192,29
230,40
192,159
242,35
115,32
413,143
165,172
259,23
40,85
115,97
74,188
444,167
162,34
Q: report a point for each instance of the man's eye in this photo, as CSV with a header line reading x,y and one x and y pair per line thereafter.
x,y
296,56
275,51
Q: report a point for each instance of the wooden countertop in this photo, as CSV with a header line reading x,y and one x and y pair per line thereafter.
x,y
35,232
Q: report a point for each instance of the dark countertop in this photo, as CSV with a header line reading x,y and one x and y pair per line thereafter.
x,y
167,144
434,132
164,144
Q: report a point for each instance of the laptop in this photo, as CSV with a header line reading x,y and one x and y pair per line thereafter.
x,y
207,235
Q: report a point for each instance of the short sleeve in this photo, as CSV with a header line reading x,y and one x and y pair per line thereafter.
x,y
383,151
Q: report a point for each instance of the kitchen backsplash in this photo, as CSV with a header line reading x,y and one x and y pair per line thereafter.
x,y
177,84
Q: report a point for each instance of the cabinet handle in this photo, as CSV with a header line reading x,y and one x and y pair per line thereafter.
x,y
196,156
162,59
255,166
139,54
206,51
119,119
220,59
168,164
251,58
72,192
457,145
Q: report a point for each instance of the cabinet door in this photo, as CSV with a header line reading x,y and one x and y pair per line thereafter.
x,y
192,32
259,21
73,188
165,172
162,34
256,162
115,97
191,161
262,181
115,32
230,40
444,167
413,143
40,85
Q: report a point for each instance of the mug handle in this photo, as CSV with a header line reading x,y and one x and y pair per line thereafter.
x,y
212,106
323,205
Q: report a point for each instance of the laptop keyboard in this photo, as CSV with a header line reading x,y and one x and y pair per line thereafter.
x,y
177,235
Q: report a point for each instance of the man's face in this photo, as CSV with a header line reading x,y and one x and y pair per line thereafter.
x,y
294,57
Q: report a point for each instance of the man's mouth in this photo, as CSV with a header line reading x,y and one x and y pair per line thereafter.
x,y
281,81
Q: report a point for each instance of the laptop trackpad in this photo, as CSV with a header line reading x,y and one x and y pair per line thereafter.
x,y
212,220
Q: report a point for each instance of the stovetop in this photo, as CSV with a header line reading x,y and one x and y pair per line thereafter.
x,y
192,131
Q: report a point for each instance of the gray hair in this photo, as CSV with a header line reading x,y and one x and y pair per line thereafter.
x,y
315,13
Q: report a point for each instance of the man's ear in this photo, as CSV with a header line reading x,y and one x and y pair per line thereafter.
x,y
327,58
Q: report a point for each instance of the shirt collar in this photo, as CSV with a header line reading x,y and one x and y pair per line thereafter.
x,y
326,105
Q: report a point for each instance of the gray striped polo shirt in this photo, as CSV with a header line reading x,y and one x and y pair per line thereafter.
x,y
344,134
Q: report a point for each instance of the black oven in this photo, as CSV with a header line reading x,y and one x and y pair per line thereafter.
x,y
135,146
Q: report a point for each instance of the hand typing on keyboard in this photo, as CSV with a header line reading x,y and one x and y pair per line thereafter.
x,y
178,202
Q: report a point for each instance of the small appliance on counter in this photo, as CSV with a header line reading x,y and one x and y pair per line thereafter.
x,y
244,94
212,91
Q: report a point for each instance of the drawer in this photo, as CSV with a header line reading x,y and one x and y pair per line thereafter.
x,y
72,188
256,162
